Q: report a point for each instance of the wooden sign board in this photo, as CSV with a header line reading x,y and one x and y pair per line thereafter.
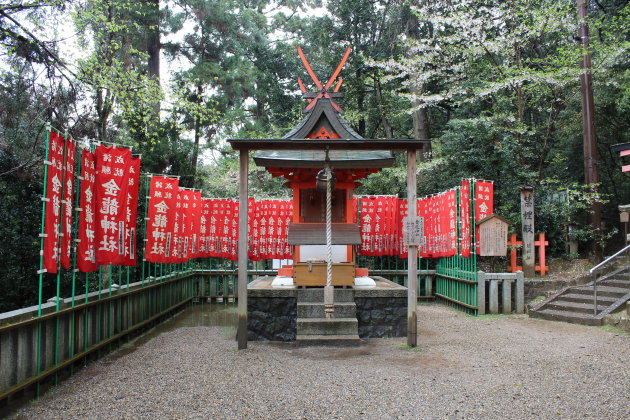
x,y
493,236
413,230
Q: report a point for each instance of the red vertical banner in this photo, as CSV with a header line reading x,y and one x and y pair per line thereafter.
x,y
464,216
213,243
86,247
111,198
204,227
131,212
68,200
422,212
179,228
186,216
252,229
161,219
54,187
193,215
284,218
484,199
263,211
451,203
402,213
368,221
287,221
484,203
233,250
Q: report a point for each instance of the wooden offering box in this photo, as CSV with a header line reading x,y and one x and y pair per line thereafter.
x,y
314,274
312,236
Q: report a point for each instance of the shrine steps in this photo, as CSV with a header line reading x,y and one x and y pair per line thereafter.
x,y
575,304
313,328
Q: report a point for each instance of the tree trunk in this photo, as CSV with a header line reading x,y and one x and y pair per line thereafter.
x,y
420,119
591,172
195,156
387,127
153,49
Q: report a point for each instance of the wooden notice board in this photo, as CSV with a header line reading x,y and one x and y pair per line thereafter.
x,y
493,235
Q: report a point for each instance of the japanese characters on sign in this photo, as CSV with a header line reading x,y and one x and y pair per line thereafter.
x,y
131,212
413,230
465,240
527,223
111,202
68,201
400,248
160,244
86,247
54,190
484,202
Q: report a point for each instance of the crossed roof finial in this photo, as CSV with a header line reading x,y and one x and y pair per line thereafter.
x,y
323,91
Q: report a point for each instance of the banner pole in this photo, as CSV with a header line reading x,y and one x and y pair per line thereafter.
x,y
147,181
41,255
74,250
60,240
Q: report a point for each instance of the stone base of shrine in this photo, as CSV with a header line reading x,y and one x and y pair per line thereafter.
x,y
381,311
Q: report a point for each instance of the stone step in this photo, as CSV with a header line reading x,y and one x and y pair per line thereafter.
x,y
566,316
328,340
624,284
587,298
602,291
316,310
327,326
582,307
316,295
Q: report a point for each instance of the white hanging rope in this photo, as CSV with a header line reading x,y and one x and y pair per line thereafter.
x,y
328,227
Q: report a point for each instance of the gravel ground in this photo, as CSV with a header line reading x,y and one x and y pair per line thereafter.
x,y
487,367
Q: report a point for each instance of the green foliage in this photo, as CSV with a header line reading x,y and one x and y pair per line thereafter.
x,y
498,81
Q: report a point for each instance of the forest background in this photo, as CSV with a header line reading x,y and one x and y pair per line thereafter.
x,y
494,85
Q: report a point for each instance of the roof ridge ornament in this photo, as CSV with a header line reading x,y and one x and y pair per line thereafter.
x,y
323,90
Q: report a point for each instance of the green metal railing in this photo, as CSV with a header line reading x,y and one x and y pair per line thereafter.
x,y
456,283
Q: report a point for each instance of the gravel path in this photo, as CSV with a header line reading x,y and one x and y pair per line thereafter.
x,y
487,367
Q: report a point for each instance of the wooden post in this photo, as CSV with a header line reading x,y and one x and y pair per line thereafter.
x,y
513,268
527,220
412,255
241,332
541,243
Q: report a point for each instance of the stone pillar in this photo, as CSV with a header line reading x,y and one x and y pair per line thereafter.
x,y
507,296
520,293
481,293
494,297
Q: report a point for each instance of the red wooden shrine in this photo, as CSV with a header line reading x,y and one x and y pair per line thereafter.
x,y
300,168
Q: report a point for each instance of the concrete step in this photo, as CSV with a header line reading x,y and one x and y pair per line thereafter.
x,y
316,295
583,307
328,340
566,316
602,291
624,284
587,298
327,326
316,310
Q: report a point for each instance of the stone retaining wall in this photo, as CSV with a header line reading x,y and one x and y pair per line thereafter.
x,y
272,318
381,317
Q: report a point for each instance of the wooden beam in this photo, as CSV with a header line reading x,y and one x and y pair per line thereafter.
x,y
241,332
320,144
412,255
